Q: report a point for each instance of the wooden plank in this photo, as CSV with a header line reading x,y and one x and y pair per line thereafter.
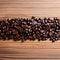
x,y
27,8
30,44
29,50
17,1
42,5
31,12
26,59
30,9
29,53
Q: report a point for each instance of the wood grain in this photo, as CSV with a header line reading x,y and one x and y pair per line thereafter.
x,y
29,50
28,8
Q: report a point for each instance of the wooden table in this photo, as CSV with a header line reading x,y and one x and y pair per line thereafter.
x,y
29,50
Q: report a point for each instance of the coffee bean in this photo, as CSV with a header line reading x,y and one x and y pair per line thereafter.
x,y
22,29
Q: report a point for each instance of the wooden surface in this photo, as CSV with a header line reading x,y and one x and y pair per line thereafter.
x,y
28,8
29,50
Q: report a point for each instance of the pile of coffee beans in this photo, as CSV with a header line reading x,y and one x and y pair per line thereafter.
x,y
22,29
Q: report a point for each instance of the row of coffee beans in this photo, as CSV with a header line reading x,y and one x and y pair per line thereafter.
x,y
21,29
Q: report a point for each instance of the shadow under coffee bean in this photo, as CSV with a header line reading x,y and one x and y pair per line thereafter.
x,y
21,29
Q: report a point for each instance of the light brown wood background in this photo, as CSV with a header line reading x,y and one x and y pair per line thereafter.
x,y
29,50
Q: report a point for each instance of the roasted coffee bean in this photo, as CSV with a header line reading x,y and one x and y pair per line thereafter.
x,y
22,29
